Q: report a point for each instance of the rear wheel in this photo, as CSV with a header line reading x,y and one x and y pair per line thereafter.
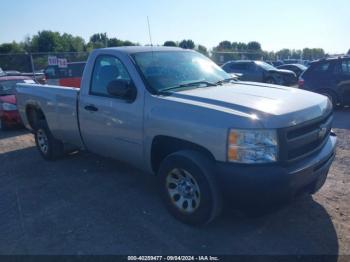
x,y
188,187
49,147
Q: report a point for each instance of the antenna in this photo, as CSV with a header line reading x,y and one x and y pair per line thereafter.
x,y
149,32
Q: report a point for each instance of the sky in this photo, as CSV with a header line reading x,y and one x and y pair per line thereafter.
x,y
276,24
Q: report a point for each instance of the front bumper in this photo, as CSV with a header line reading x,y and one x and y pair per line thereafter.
x,y
245,184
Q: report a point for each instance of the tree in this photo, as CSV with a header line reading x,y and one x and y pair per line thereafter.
x,y
313,53
254,46
113,42
349,52
10,48
98,40
128,43
72,44
169,43
187,44
203,50
283,54
47,41
224,46
241,46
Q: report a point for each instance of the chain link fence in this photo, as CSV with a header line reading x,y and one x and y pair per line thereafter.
x,y
62,68
221,57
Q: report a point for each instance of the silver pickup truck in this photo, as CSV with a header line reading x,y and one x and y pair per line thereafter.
x,y
174,113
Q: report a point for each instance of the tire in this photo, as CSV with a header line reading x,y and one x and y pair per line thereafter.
x,y
189,169
332,97
49,147
271,80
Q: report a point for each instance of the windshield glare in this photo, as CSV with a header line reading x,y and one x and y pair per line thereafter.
x,y
168,69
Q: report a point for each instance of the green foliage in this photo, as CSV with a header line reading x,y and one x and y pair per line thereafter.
x,y
170,43
54,42
313,53
254,46
203,50
187,44
224,46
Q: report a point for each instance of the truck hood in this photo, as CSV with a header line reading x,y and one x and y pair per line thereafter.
x,y
274,106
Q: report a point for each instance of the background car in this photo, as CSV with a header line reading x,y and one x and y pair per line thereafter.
x,y
259,71
2,73
296,68
330,77
69,76
9,115
12,73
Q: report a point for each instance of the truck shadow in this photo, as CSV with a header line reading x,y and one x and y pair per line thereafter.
x,y
91,205
342,118
13,132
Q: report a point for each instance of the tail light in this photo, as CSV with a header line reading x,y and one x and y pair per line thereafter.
x,y
301,82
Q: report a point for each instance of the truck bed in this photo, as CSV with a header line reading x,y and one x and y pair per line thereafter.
x,y
59,105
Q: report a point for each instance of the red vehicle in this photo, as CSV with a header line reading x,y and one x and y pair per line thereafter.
x,y
69,76
9,115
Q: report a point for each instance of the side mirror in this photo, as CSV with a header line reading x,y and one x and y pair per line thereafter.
x,y
122,89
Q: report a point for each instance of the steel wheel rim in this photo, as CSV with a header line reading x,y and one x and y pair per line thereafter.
x,y
42,141
183,190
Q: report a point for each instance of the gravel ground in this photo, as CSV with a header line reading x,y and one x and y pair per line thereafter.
x,y
85,204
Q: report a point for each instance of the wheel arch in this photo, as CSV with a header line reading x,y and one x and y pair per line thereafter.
x,y
162,146
34,114
330,91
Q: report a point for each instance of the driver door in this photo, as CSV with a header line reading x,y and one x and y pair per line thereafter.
x,y
111,126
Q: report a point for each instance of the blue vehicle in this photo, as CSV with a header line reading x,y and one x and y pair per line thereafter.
x,y
259,71
330,77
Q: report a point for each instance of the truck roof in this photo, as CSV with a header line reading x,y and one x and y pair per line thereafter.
x,y
139,49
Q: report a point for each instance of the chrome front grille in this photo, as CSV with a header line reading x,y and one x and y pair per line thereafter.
x,y
302,140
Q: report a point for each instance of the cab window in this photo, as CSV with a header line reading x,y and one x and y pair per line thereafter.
x,y
106,69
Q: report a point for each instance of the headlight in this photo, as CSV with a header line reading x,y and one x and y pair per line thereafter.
x,y
252,146
8,107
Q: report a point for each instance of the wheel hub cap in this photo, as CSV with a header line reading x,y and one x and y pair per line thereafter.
x,y
183,190
42,141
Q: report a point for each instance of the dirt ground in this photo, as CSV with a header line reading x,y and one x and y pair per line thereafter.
x,y
85,204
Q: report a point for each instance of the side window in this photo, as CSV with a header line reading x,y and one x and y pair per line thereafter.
x,y
239,66
107,68
346,67
322,67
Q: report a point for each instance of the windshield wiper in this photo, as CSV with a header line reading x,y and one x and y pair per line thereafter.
x,y
226,80
194,84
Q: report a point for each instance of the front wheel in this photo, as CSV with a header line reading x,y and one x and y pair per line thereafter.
x,y
49,147
271,80
188,187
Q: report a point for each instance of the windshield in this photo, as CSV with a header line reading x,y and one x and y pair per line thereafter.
x,y
8,87
265,66
164,70
301,67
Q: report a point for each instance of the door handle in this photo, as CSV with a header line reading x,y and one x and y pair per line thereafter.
x,y
91,108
